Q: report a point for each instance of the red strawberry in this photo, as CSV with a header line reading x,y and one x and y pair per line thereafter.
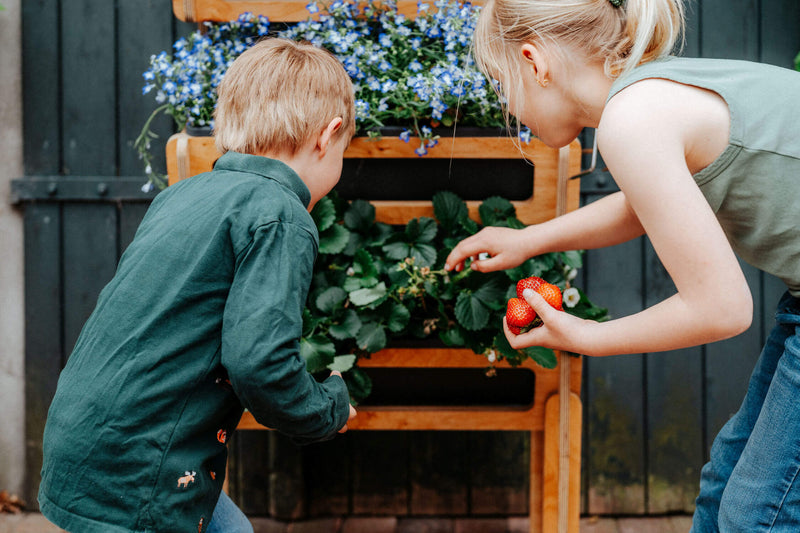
x,y
519,313
528,283
551,294
515,330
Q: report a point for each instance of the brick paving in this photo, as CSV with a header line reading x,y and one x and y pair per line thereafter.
x,y
36,523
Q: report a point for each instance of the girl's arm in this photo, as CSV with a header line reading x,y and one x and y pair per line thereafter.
x,y
605,222
645,134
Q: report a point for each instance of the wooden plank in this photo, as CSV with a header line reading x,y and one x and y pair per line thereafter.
x,y
249,471
674,411
380,472
145,28
188,156
730,363
130,216
88,88
499,472
276,10
551,506
89,261
729,29
40,83
780,32
43,341
615,390
438,473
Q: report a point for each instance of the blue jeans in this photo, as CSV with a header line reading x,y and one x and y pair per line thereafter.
x,y
751,483
228,518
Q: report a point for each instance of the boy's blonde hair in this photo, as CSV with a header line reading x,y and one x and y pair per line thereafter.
x,y
623,37
278,95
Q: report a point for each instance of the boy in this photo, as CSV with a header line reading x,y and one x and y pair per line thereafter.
x,y
204,315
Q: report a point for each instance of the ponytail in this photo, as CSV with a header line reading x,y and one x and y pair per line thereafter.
x,y
652,27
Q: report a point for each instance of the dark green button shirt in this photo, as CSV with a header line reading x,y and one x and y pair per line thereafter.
x,y
203,316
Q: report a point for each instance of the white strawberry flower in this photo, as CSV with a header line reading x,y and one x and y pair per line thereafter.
x,y
491,356
571,297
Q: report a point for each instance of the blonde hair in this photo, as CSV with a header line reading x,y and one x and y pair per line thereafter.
x,y
278,95
623,37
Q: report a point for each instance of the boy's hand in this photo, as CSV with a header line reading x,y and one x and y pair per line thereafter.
x,y
352,409
504,246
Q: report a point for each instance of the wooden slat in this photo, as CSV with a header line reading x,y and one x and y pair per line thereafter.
x,y
88,92
730,29
439,475
89,262
43,343
780,32
674,412
41,90
551,510
276,10
145,28
327,468
380,472
500,474
188,156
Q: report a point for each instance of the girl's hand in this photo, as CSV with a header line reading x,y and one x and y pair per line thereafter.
x,y
352,414
504,246
559,330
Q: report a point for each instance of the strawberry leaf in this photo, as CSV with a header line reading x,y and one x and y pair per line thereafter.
x,y
449,209
317,351
333,240
542,356
360,216
330,299
494,211
324,214
371,337
347,328
398,318
471,312
342,363
421,230
362,297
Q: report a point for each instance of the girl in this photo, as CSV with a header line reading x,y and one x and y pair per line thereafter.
x,y
707,159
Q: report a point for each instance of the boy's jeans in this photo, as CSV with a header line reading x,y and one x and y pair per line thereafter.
x,y
751,482
228,518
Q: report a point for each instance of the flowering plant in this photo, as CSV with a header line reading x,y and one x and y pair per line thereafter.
x,y
413,73
373,282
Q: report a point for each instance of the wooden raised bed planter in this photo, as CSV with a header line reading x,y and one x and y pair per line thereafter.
x,y
554,418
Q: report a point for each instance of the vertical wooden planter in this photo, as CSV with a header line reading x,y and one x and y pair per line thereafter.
x,y
554,417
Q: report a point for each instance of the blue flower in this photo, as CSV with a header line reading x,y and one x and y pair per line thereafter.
x,y
312,7
415,66
421,151
405,135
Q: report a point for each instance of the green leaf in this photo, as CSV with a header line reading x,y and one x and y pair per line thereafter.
x,y
342,363
421,230
324,214
352,283
333,240
364,265
449,209
398,318
452,337
573,258
494,211
493,290
544,357
360,216
469,225
330,299
397,250
359,384
471,312
423,254
371,337
317,351
347,328
362,297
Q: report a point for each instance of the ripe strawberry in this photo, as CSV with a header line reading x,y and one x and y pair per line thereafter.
x,y
528,283
514,329
551,294
519,313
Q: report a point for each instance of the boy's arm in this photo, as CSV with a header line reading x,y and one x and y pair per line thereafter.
x,y
261,331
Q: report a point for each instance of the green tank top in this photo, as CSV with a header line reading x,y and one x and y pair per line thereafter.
x,y
754,185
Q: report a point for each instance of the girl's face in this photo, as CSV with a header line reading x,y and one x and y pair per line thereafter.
x,y
541,100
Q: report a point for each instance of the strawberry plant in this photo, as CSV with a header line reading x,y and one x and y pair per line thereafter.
x,y
374,283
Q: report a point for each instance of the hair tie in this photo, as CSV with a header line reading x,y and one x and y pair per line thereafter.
x,y
616,3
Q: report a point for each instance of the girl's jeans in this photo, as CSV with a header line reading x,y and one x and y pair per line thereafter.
x,y
228,518
751,483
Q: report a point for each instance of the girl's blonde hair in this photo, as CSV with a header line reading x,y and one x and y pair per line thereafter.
x,y
623,37
278,95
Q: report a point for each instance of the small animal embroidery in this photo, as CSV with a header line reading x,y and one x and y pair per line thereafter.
x,y
213,474
200,526
222,436
186,479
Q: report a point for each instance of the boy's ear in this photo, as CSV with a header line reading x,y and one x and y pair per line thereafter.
x,y
327,134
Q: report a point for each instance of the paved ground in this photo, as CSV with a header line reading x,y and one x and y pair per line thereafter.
x,y
36,523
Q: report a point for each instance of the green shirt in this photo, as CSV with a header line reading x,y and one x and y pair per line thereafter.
x,y
754,185
202,317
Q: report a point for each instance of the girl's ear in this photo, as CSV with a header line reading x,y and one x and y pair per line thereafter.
x,y
534,57
327,134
